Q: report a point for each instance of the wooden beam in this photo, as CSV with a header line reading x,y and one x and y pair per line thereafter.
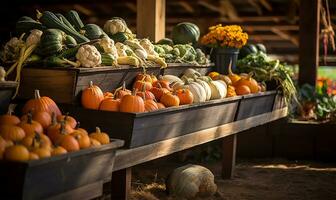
x,y
186,6
309,41
131,6
121,184
229,156
286,36
151,16
229,9
255,4
266,4
212,7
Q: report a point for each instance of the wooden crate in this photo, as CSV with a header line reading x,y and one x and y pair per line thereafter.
x,y
66,176
139,129
256,104
65,84
7,90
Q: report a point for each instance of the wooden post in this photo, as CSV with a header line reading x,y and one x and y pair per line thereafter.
x,y
121,184
229,156
151,19
309,41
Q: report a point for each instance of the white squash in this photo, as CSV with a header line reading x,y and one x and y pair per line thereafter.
x,y
191,182
218,90
191,73
171,78
206,87
197,90
177,85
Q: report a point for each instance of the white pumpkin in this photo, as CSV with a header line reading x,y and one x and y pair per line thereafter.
x,y
218,90
191,73
197,90
206,87
171,78
177,85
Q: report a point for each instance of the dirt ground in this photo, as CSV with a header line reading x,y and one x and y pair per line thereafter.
x,y
253,180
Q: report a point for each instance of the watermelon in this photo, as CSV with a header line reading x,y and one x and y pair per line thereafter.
x,y
185,33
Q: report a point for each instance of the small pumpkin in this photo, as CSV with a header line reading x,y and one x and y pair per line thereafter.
x,y
150,105
81,129
30,126
68,120
160,105
43,118
82,139
132,103
69,143
162,84
121,91
94,142
153,78
57,130
41,104
42,152
92,96
249,82
224,78
16,153
139,85
170,99
107,95
144,77
101,137
231,91
36,141
213,75
233,77
110,104
185,96
158,92
9,119
13,133
58,151
242,90
146,95
33,156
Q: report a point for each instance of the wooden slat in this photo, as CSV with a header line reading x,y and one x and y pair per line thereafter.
x,y
229,156
131,157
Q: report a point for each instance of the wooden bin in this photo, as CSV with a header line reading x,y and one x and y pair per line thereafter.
x,y
67,176
139,129
65,84
7,90
256,104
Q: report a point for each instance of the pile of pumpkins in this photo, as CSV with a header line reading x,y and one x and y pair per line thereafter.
x,y
151,93
43,132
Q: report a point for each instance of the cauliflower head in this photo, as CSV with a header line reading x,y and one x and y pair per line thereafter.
x,y
121,49
108,45
34,37
148,46
88,56
115,25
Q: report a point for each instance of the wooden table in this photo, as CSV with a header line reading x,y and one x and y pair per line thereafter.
x,y
126,158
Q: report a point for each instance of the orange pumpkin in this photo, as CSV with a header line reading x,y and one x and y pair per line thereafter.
x,y
68,120
82,139
213,75
160,105
242,90
144,77
92,97
142,85
57,130
9,119
162,84
43,118
16,153
58,151
231,91
107,94
3,145
101,137
42,152
13,133
33,156
94,143
153,78
69,143
36,141
146,95
233,77
30,126
158,92
185,96
132,103
169,100
249,82
110,104
150,105
41,104
120,92
81,129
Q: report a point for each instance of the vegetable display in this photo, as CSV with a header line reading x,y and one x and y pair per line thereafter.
x,y
41,133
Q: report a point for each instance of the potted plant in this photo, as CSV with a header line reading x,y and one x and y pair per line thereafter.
x,y
225,42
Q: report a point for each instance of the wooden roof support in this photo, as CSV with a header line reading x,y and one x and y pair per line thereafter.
x,y
309,41
255,4
229,9
186,6
286,36
151,19
266,4
131,6
212,7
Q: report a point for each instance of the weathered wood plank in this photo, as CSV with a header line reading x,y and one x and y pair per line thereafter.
x,y
121,184
131,157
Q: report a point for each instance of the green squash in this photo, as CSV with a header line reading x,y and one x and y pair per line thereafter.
x,y
166,41
26,24
261,47
70,41
247,50
92,31
119,37
52,42
185,33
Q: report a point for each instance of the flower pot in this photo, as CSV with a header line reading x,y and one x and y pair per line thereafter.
x,y
222,56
